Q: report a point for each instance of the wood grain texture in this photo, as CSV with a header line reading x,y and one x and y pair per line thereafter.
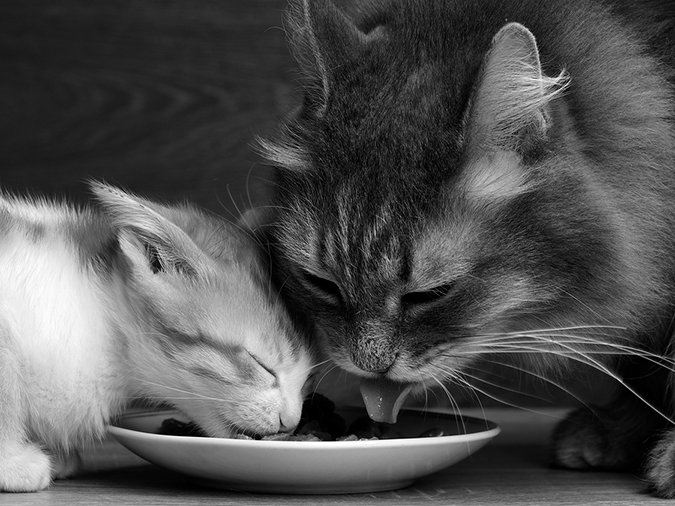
x,y
512,470
164,97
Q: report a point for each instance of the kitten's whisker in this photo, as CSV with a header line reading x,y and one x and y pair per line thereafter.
x,y
248,186
319,364
323,376
186,392
234,203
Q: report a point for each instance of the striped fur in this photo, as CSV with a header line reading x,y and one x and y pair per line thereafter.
x,y
476,169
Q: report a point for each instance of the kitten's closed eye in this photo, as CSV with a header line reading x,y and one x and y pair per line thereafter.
x,y
265,367
426,296
325,287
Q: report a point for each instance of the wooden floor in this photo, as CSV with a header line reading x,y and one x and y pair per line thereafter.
x,y
512,470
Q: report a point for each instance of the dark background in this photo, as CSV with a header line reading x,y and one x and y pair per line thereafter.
x,y
162,97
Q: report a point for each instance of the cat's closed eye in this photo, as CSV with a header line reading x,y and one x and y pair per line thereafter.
x,y
423,297
263,366
328,288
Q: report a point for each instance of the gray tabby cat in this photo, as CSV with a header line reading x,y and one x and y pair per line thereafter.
x,y
468,178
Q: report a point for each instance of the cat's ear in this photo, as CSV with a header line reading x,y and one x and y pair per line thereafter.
x,y
509,109
323,40
151,242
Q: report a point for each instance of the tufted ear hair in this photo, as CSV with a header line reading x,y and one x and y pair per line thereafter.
x,y
150,241
509,109
323,40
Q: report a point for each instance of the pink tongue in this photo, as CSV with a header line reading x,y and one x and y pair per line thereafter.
x,y
384,398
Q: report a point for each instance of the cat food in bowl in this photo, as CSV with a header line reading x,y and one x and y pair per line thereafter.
x,y
387,457
319,422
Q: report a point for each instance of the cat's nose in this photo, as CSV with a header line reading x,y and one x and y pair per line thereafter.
x,y
374,362
377,368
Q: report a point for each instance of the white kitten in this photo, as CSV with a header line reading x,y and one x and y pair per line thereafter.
x,y
135,300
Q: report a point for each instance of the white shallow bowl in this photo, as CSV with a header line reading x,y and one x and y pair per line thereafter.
x,y
309,467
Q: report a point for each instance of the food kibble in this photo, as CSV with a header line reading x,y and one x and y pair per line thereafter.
x,y
319,422
173,427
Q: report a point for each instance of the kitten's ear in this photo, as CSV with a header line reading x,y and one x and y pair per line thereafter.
x,y
323,39
150,241
509,108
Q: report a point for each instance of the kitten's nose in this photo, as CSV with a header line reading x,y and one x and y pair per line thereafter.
x,y
289,417
283,427
286,425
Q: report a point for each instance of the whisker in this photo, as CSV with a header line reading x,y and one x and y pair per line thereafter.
x,y
502,401
543,378
583,358
556,329
323,376
502,387
453,404
179,390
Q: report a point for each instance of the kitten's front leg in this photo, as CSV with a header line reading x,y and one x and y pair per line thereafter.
x,y
24,467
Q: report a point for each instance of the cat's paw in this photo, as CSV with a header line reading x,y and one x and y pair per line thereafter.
x,y
660,468
584,440
24,468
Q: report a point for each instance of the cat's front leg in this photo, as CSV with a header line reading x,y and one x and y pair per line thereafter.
x,y
660,467
616,436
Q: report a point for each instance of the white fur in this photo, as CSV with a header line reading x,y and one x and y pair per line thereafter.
x,y
77,340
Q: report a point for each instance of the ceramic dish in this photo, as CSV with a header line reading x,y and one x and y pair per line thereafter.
x,y
308,467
